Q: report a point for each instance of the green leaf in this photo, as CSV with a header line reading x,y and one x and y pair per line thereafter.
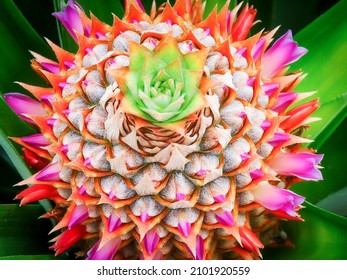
x,y
322,236
21,233
292,14
31,257
334,167
14,156
17,36
9,177
326,40
332,113
336,202
44,9
211,4
103,9
325,66
148,4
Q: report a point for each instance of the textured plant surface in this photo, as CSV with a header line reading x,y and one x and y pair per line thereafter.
x,y
173,134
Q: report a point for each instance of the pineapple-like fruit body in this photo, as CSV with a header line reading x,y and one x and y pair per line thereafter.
x,y
167,136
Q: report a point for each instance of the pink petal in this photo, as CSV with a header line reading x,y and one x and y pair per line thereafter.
x,y
51,122
67,112
250,82
71,19
151,241
69,64
242,114
50,67
46,99
184,228
200,250
283,52
24,105
113,222
87,162
245,156
112,195
79,214
49,173
302,165
36,140
258,49
242,51
82,190
274,198
219,198
144,216
225,218
107,252
278,138
270,89
93,250
47,64
283,101
265,124
201,172
180,196
64,149
62,85
256,174
228,20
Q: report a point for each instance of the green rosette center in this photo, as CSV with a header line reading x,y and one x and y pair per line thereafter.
x,y
163,85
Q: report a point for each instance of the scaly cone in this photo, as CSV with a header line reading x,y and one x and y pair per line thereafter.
x,y
167,135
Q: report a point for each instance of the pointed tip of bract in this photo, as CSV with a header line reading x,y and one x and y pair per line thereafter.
x,y
135,13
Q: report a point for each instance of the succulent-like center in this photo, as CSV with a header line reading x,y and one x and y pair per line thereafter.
x,y
162,86
163,92
162,96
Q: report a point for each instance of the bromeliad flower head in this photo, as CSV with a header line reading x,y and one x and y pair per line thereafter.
x,y
167,135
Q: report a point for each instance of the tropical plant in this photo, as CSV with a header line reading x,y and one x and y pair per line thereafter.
x,y
161,85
